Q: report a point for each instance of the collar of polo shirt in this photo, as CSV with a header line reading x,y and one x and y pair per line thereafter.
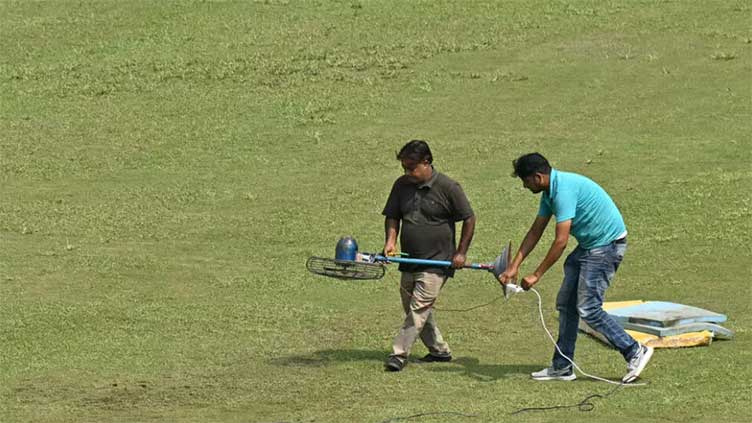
x,y
429,183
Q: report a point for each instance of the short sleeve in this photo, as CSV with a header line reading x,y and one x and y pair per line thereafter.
x,y
461,209
392,207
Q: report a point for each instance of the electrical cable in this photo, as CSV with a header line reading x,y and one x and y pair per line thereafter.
x,y
543,323
439,413
584,405
457,310
545,328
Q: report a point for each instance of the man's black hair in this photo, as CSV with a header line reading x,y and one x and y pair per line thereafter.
x,y
530,164
416,150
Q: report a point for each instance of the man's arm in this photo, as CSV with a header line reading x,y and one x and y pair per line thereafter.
x,y
554,252
391,229
528,245
468,229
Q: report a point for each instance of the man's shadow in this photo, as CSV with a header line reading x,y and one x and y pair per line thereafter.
x,y
466,366
323,358
472,367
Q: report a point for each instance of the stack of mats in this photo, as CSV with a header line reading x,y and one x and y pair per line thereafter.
x,y
662,324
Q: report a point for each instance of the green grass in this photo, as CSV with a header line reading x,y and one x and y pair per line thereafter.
x,y
167,167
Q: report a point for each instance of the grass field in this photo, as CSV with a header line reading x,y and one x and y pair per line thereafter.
x,y
166,168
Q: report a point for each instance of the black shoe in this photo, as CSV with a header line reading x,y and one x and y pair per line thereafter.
x,y
394,364
430,358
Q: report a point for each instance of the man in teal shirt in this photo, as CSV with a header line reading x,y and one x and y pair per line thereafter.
x,y
583,209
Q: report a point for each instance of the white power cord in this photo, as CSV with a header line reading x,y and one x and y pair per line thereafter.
x,y
540,312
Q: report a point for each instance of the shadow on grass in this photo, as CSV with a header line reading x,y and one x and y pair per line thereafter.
x,y
472,368
467,366
326,357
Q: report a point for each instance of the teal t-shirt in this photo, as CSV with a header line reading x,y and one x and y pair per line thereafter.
x,y
596,221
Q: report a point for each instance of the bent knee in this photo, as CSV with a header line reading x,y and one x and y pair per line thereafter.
x,y
589,312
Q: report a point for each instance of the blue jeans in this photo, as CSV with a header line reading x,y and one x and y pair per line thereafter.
x,y
587,274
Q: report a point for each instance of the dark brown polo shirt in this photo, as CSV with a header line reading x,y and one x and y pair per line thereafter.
x,y
428,212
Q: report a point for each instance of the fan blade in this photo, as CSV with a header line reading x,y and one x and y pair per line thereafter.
x,y
345,269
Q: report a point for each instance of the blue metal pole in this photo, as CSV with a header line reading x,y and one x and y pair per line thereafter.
x,y
426,262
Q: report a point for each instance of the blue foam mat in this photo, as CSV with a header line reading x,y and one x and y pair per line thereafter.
x,y
663,314
719,332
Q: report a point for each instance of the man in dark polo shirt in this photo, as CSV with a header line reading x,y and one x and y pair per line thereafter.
x,y
426,204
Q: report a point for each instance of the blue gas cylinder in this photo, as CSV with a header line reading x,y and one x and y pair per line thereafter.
x,y
347,249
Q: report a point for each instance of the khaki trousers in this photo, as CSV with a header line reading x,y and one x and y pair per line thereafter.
x,y
419,292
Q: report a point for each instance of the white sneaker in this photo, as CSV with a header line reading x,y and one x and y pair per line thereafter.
x,y
637,364
552,374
